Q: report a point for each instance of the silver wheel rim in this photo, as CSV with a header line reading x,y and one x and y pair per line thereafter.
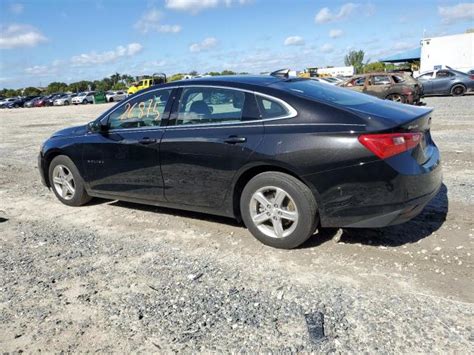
x,y
396,98
273,212
63,182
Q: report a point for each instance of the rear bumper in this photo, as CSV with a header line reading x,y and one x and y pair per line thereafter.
x,y
375,194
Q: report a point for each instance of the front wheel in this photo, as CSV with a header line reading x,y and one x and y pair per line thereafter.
x,y
279,210
66,182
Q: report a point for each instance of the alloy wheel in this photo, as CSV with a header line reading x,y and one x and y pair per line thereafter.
x,y
63,182
273,212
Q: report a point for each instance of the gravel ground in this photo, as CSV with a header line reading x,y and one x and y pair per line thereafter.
x,y
121,277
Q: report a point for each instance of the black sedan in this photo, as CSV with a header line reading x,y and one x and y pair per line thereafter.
x,y
283,155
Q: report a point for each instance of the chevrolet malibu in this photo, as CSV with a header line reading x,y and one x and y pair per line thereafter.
x,y
284,155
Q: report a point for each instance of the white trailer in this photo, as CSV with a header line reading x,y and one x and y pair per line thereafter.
x,y
336,71
456,51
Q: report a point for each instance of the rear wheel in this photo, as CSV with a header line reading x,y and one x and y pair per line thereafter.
x,y
458,90
66,182
397,98
66,103
279,210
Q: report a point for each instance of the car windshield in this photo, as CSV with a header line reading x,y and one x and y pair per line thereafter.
x,y
326,93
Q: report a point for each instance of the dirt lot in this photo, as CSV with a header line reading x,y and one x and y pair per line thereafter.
x,y
115,276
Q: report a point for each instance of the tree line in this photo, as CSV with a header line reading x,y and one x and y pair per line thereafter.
x,y
114,82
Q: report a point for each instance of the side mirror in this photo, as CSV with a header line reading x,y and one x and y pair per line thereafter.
x,y
98,126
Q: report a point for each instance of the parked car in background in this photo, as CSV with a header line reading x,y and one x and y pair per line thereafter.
x,y
86,97
5,102
63,100
43,101
19,102
31,103
446,82
398,87
113,96
285,156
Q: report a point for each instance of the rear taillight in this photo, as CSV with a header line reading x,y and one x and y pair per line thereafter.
x,y
472,77
387,145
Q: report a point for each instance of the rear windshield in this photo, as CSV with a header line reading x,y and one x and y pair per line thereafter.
x,y
326,93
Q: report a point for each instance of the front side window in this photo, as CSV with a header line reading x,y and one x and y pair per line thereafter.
x,y
356,82
143,111
199,105
426,76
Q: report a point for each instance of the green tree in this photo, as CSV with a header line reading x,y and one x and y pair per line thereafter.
x,y
356,59
29,91
80,86
119,86
55,87
228,72
175,77
374,67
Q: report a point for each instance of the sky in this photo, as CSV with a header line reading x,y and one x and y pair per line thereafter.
x,y
50,40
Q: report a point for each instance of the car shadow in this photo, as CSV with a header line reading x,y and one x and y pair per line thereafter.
x,y
176,212
428,221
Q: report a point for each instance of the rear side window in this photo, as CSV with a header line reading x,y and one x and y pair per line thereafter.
x,y
199,105
398,79
380,80
270,108
444,74
326,93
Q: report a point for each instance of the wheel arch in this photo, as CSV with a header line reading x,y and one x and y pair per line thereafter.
x,y
457,84
248,173
48,158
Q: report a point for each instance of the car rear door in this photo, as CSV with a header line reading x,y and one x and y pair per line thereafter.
x,y
211,134
124,160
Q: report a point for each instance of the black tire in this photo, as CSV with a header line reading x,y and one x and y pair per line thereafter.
x,y
111,99
397,98
80,196
458,90
304,201
85,102
66,103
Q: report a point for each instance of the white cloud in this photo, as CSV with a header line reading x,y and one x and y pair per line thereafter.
x,y
151,22
14,36
38,70
326,48
205,45
194,6
335,33
294,41
325,15
94,58
458,13
16,8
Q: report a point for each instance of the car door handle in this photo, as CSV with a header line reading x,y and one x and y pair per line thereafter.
x,y
235,140
146,141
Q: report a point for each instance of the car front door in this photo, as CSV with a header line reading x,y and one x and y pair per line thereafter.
x,y
211,134
123,160
427,81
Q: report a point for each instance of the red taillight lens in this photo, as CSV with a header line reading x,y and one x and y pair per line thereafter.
x,y
387,145
472,77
